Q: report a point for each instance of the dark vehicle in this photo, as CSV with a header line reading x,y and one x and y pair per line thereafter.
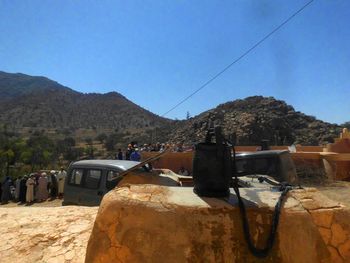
x,y
272,164
89,180
275,164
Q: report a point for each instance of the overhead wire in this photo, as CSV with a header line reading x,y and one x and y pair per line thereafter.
x,y
240,57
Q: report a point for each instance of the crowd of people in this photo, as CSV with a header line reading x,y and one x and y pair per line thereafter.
x,y
132,151
160,147
35,187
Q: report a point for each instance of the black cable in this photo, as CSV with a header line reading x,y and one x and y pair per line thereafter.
x,y
261,252
240,57
284,188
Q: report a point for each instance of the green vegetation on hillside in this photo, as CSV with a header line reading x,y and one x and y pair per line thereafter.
x,y
19,155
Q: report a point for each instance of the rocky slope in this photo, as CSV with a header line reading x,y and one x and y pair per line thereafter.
x,y
41,103
250,120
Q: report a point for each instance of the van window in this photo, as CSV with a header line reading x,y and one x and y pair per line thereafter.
x,y
77,175
113,179
266,166
93,178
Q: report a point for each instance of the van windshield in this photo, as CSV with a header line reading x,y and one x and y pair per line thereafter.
x,y
251,166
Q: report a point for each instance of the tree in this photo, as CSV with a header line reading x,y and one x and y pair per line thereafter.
x,y
88,141
41,151
110,143
73,154
188,116
89,151
102,137
69,141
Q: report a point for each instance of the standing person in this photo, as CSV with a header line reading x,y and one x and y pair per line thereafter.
x,y
42,193
17,185
6,190
36,177
120,154
23,189
49,183
53,185
135,156
128,152
183,171
61,177
30,189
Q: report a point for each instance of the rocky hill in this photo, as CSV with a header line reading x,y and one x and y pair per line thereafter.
x,y
250,120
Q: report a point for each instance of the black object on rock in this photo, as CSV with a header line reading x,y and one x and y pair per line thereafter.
x,y
212,166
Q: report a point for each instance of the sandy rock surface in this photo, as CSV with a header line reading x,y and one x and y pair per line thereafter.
x,y
149,223
45,234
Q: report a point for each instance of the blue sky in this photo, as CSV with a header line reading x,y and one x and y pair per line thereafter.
x,y
157,52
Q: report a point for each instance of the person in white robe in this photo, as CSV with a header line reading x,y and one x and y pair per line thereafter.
x,y
30,189
61,177
42,194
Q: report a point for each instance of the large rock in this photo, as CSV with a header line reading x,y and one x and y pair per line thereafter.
x,y
45,234
256,118
150,223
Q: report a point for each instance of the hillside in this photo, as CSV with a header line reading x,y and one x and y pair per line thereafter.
x,y
18,84
39,103
250,120
29,104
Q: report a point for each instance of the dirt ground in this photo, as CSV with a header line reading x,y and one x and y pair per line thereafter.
x,y
45,234
47,203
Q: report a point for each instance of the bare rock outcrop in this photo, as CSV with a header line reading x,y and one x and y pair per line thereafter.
x,y
250,120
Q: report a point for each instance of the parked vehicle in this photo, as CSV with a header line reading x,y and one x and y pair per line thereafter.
x,y
276,164
89,180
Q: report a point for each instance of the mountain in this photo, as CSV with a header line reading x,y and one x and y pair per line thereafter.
x,y
18,84
29,103
40,103
253,119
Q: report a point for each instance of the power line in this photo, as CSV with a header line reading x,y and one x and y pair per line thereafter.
x,y
240,57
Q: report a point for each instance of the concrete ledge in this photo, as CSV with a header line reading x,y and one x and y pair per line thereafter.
x,y
150,223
